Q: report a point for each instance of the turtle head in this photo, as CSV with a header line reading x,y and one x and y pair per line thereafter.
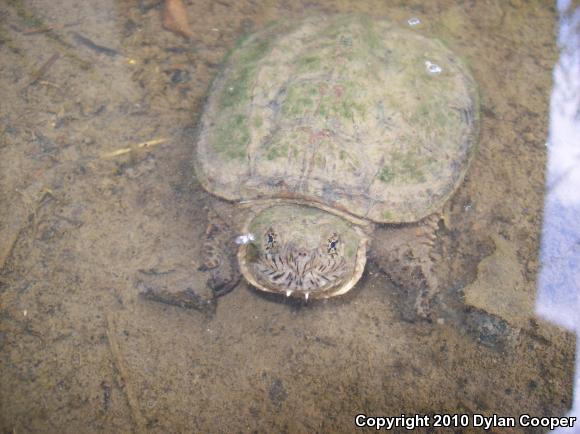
x,y
302,251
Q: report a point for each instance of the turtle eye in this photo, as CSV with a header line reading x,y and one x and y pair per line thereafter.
x,y
333,242
271,239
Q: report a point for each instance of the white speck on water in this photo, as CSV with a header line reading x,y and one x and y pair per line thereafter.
x,y
231,88
433,68
414,21
245,238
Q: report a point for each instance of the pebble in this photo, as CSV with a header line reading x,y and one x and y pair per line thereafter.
x,y
529,137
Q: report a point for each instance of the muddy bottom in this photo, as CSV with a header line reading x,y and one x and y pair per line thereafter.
x,y
98,201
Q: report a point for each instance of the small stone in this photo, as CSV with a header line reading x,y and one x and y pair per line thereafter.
x,y
179,76
529,137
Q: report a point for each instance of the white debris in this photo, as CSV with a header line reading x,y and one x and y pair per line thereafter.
x,y
245,238
433,68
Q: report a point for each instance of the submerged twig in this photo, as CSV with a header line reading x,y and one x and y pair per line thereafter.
x,y
95,47
123,372
50,84
47,28
142,145
43,69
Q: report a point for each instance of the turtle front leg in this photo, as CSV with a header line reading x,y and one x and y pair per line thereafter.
x,y
423,249
219,256
406,254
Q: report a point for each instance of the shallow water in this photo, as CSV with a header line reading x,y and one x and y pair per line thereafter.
x,y
98,194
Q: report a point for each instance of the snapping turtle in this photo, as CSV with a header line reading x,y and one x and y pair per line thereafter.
x,y
324,130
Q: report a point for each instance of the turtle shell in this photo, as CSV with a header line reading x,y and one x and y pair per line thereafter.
x,y
348,112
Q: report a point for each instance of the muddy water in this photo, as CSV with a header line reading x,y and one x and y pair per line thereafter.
x,y
98,196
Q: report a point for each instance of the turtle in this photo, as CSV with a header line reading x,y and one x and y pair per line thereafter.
x,y
322,131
